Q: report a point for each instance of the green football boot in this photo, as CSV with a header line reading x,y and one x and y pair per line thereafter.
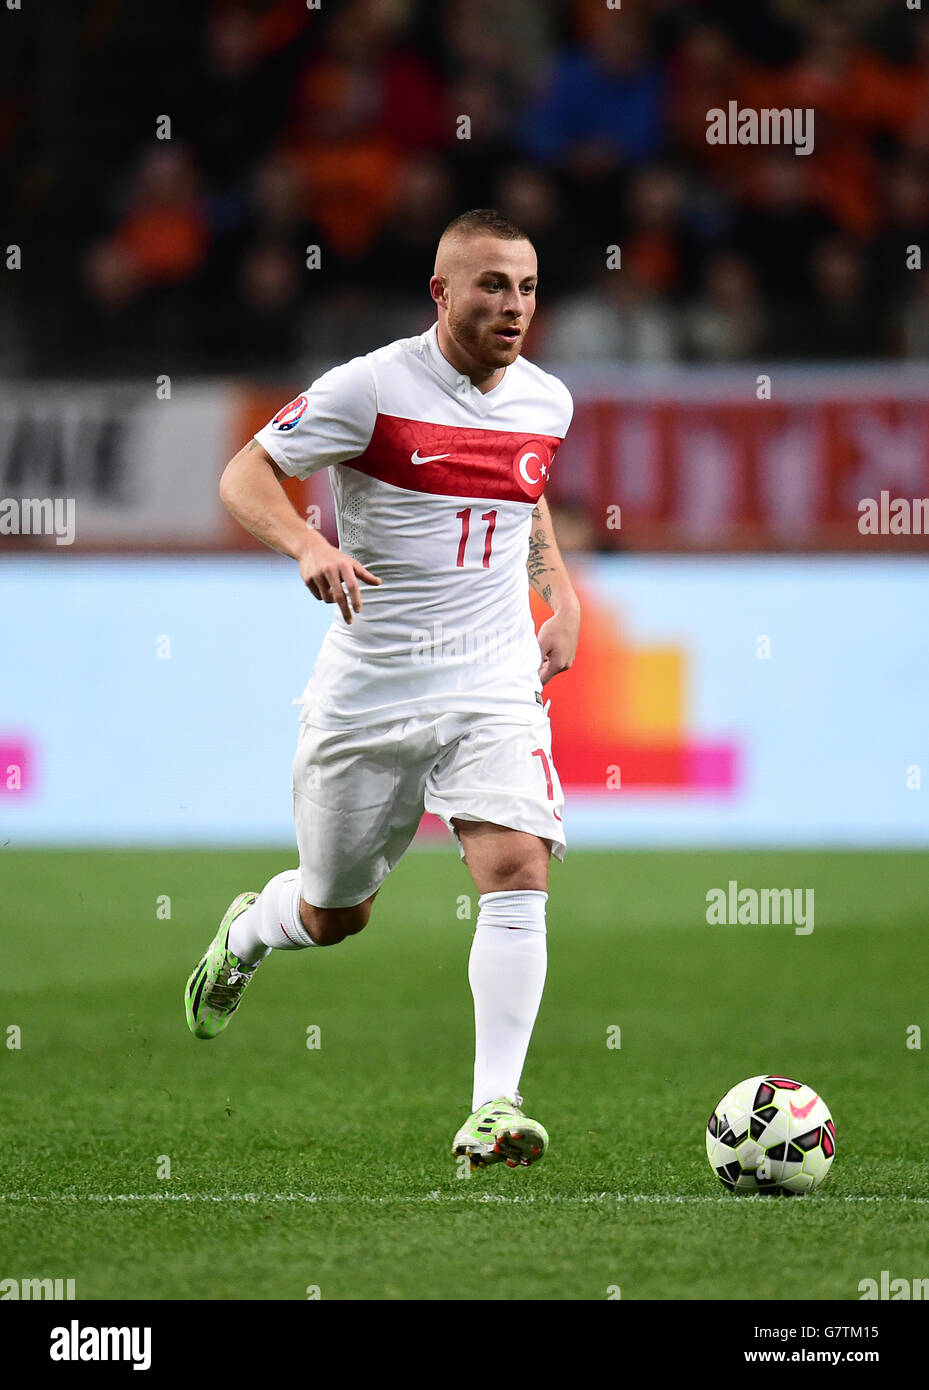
x,y
499,1132
215,989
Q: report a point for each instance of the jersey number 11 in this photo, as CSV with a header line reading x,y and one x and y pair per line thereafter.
x,y
465,518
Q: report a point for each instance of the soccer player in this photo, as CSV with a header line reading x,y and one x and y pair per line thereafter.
x,y
429,695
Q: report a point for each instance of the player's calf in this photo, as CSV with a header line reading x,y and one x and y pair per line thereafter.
x,y
330,925
281,920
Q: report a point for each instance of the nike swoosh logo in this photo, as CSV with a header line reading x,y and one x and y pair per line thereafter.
x,y
800,1112
415,457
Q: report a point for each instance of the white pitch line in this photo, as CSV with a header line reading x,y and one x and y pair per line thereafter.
x,y
312,1198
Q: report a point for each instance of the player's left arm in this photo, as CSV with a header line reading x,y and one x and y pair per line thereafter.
x,y
549,577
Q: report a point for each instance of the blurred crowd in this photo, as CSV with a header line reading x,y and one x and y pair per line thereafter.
x,y
338,129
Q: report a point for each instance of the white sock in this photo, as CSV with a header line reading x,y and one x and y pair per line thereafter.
x,y
507,975
272,922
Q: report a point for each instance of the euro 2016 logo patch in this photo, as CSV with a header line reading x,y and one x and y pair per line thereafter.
x,y
531,467
291,414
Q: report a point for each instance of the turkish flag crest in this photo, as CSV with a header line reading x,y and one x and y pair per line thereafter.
x,y
531,467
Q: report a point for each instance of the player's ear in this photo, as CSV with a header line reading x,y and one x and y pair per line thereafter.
x,y
437,289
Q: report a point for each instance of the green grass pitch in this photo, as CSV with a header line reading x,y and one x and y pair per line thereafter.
x,y
294,1168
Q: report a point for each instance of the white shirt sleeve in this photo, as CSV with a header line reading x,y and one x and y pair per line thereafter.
x,y
330,422
569,410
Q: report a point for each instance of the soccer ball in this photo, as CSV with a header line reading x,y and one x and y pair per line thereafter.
x,y
771,1135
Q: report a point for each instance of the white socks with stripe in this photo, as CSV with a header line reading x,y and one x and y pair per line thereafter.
x,y
507,974
272,922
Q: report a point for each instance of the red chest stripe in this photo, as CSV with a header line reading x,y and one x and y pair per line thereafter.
x,y
455,462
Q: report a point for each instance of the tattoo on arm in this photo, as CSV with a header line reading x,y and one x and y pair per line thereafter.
x,y
541,561
544,563
537,563
253,445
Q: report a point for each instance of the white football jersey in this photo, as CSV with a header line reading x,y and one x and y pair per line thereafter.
x,y
434,485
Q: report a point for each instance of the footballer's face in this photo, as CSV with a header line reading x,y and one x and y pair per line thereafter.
x,y
486,287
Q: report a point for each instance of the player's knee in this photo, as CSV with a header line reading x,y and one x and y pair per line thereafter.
x,y
502,860
522,881
511,873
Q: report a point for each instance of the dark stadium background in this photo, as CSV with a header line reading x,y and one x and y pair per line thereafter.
x,y
337,128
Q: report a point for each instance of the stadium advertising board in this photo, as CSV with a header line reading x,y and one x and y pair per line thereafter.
x,y
765,701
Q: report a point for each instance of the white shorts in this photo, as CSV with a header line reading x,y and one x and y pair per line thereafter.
x,y
359,794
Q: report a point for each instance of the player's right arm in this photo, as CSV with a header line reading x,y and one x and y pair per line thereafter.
x,y
251,489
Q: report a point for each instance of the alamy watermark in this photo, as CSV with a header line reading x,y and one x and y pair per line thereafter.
x,y
77,1343
38,516
735,906
37,1290
766,126
893,516
476,646
893,1289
